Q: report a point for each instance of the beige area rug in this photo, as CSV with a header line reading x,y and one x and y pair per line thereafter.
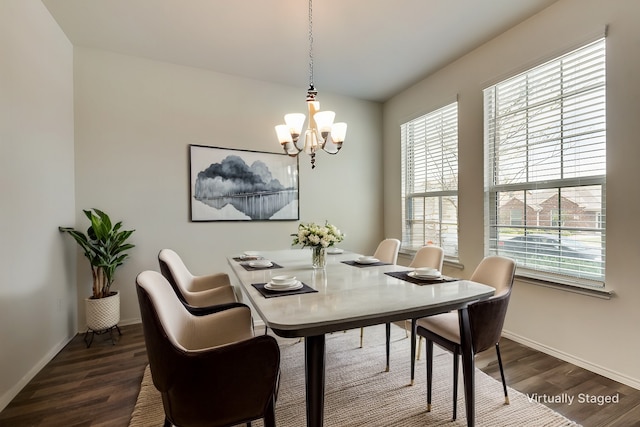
x,y
360,393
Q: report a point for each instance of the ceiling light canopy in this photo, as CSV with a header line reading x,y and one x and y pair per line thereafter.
x,y
321,132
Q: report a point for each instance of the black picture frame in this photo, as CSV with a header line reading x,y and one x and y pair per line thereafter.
x,y
228,184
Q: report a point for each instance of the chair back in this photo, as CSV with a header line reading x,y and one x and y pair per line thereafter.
x,y
160,308
176,272
387,251
428,256
495,271
487,316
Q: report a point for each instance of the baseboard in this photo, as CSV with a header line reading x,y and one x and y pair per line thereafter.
x,y
13,391
605,372
127,322
122,322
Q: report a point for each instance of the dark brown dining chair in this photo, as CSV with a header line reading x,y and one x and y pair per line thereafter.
x,y
195,291
486,318
210,369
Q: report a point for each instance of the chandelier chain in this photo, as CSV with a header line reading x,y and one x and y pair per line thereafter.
x,y
311,43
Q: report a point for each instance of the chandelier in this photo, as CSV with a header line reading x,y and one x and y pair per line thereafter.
x,y
321,132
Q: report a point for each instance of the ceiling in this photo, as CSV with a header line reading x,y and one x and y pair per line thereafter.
x,y
369,49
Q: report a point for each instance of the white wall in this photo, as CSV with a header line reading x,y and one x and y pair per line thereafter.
x,y
134,121
37,295
595,333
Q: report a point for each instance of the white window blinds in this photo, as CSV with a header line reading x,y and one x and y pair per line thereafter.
x,y
545,137
430,180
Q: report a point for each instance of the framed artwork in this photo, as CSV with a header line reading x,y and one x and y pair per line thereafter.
x,y
242,185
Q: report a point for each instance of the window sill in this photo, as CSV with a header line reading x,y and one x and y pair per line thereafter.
x,y
592,291
453,263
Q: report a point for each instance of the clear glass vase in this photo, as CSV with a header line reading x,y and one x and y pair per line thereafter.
x,y
318,257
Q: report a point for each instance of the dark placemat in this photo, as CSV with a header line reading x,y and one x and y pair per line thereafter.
x,y
305,289
402,275
357,264
246,258
247,267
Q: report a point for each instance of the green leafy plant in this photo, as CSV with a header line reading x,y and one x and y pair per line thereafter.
x,y
105,247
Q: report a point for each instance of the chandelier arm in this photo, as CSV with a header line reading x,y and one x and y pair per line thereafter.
x,y
333,153
289,153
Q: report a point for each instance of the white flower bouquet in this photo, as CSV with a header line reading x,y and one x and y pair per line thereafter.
x,y
315,235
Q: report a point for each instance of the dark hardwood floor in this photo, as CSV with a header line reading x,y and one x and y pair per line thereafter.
x,y
98,386
95,386
537,374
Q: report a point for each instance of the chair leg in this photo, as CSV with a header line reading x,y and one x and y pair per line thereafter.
x,y
419,348
406,330
361,336
270,414
504,382
388,341
456,360
429,350
413,349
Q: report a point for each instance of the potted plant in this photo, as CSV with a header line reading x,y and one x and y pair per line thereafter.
x,y
105,246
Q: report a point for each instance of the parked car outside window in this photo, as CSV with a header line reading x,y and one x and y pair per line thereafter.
x,y
548,245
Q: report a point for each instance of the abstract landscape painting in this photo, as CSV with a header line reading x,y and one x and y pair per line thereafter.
x,y
241,185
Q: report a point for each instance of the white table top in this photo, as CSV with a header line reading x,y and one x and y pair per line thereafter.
x,y
348,296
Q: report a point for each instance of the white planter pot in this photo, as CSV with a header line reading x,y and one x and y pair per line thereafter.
x,y
103,313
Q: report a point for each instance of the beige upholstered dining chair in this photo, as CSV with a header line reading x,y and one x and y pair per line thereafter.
x,y
195,291
427,256
210,369
486,318
387,251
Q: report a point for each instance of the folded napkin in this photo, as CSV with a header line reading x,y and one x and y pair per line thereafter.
x,y
305,289
402,275
373,264
248,267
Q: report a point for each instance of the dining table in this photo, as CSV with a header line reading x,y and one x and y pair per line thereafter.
x,y
346,295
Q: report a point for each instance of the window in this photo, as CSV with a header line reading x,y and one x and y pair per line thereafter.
x,y
430,181
546,156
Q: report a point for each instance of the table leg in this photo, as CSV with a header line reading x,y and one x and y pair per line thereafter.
x,y
468,368
413,349
388,343
314,352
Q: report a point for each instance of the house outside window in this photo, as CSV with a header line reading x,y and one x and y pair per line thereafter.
x,y
516,216
545,141
430,181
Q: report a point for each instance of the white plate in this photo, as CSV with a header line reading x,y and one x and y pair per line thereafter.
x,y
367,260
270,286
284,279
251,253
274,286
424,276
335,251
260,264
